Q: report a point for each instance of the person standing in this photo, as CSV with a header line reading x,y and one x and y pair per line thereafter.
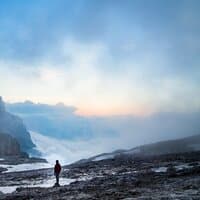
x,y
57,170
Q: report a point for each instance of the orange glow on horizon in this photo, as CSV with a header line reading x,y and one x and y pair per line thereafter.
x,y
96,110
113,111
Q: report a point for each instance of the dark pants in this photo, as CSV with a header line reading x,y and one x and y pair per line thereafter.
x,y
57,178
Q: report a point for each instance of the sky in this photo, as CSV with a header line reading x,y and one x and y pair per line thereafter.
x,y
108,57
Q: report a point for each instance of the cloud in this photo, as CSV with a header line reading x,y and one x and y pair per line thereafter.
x,y
86,77
104,58
61,122
129,132
68,151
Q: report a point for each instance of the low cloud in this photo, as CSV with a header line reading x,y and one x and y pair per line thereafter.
x,y
72,137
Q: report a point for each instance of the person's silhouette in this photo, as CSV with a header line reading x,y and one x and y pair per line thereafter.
x,y
57,170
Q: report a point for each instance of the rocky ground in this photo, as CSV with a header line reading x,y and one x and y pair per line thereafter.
x,y
174,176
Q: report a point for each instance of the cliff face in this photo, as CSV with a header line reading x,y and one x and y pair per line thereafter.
x,y
13,125
9,145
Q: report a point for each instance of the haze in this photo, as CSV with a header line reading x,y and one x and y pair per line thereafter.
x,y
103,57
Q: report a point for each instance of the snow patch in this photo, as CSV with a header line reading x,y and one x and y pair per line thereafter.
x,y
8,189
45,184
25,167
1,159
159,169
50,182
183,166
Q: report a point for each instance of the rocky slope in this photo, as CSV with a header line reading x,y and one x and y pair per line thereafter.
x,y
9,145
187,144
172,176
13,125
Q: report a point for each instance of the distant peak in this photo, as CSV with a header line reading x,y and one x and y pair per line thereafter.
x,y
60,104
28,102
2,105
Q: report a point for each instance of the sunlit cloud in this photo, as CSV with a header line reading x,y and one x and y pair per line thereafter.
x,y
115,63
79,81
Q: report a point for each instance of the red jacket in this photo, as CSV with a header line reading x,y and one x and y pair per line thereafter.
x,y
57,168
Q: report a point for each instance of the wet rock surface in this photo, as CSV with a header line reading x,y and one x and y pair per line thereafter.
x,y
174,176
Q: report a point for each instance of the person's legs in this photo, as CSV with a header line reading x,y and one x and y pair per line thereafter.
x,y
57,178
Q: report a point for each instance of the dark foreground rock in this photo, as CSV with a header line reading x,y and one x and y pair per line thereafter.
x,y
162,177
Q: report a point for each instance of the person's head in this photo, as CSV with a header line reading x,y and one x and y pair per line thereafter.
x,y
57,161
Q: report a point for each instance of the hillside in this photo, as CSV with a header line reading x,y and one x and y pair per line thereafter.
x,y
13,125
9,145
187,144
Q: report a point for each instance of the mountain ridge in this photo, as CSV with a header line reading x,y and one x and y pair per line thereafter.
x,y
182,145
9,146
13,125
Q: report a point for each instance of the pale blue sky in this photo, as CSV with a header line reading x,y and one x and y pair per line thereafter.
x,y
104,57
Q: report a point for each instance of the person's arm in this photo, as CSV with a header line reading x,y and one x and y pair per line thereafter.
x,y
60,168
